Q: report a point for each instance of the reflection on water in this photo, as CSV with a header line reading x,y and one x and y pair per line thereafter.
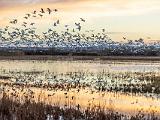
x,y
125,86
74,66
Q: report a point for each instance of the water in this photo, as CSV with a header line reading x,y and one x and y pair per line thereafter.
x,y
74,66
104,82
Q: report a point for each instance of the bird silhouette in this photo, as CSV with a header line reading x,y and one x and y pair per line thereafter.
x,y
55,10
57,21
66,25
14,21
32,24
55,24
79,28
26,17
42,11
83,20
77,24
103,30
49,10
50,30
124,38
34,12
40,15
24,23
6,28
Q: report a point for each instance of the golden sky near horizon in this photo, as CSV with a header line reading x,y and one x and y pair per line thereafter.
x,y
130,18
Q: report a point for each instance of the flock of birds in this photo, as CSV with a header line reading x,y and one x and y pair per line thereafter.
x,y
40,14
104,81
46,86
34,14
68,39
23,33
27,33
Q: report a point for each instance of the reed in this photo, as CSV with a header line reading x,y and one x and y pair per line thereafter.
x,y
31,110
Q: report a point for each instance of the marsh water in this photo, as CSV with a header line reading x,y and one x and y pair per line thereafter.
x,y
75,66
102,83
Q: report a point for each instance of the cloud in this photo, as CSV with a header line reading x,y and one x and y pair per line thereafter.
x,y
103,7
84,8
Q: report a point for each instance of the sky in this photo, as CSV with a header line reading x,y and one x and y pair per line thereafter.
x,y
133,19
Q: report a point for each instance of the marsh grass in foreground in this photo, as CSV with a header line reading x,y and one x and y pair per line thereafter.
x,y
30,110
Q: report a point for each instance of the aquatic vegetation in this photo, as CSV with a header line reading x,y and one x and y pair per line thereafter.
x,y
30,110
102,81
87,94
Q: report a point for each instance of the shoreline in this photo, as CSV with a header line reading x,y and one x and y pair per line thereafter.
x,y
74,58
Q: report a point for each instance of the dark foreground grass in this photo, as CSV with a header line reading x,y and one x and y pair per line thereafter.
x,y
30,110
